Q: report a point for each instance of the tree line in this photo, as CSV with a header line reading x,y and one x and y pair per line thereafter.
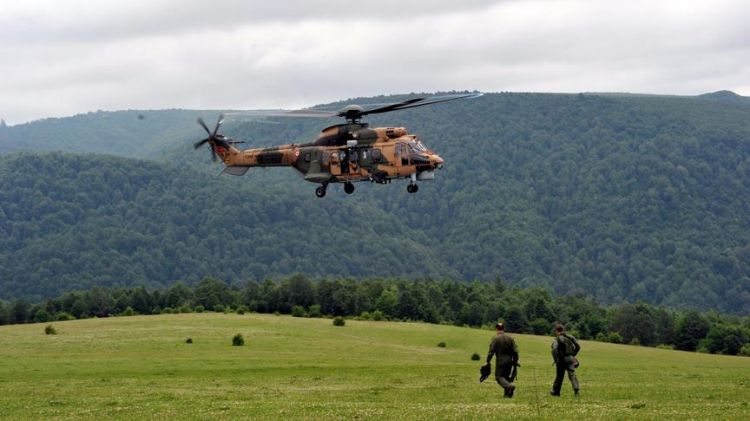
x,y
532,310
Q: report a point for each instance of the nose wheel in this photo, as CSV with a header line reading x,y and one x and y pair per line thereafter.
x,y
321,191
349,188
412,188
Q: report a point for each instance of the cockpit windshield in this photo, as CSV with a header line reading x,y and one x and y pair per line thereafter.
x,y
417,147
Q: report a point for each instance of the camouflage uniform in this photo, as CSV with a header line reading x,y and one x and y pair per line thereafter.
x,y
564,349
504,348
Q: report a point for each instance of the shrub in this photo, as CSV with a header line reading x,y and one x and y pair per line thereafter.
x,y
63,316
298,311
50,330
189,340
185,309
614,338
745,351
339,321
165,310
238,340
377,315
219,308
365,315
665,346
276,313
441,344
475,357
243,309
200,309
314,310
128,311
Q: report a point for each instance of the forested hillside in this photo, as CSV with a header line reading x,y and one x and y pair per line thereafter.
x,y
616,197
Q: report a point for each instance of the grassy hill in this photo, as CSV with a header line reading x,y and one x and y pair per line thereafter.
x,y
141,367
616,197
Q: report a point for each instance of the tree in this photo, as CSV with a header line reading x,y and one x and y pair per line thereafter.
x,y
691,328
634,322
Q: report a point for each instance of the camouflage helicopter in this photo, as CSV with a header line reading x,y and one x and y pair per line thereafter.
x,y
342,153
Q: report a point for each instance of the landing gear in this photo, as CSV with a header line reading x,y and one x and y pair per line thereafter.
x,y
321,191
412,188
349,188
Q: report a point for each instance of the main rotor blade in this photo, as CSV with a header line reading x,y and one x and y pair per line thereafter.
x,y
218,123
391,107
200,121
420,102
284,113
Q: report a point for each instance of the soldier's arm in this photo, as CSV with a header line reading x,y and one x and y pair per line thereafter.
x,y
554,350
491,353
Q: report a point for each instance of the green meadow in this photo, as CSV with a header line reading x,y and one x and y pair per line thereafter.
x,y
141,367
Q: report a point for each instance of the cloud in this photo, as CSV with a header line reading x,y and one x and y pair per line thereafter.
x,y
68,57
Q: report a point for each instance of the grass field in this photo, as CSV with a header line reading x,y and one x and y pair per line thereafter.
x,y
141,367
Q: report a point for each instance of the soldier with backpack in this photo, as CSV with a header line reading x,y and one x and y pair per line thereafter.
x,y
564,351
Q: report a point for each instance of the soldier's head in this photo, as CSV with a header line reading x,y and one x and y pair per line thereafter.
x,y
499,327
559,329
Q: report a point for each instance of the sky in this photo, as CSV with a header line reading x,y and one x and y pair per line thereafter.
x,y
64,57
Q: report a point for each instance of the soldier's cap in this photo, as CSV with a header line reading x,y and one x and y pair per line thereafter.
x,y
499,326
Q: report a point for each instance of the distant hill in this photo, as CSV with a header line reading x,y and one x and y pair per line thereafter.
x,y
621,198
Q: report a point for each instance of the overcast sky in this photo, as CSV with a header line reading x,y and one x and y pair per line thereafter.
x,y
63,57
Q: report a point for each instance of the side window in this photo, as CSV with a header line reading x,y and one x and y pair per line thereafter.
x,y
375,155
404,155
307,157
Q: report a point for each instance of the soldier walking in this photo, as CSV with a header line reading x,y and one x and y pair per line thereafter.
x,y
564,351
504,348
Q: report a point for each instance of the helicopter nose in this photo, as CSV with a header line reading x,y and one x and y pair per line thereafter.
x,y
437,161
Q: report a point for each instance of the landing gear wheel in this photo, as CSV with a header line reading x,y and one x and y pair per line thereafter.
x,y
349,188
412,188
320,191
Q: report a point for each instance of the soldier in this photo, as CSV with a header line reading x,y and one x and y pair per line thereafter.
x,y
564,351
506,351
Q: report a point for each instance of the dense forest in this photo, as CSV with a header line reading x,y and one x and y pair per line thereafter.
x,y
615,197
526,310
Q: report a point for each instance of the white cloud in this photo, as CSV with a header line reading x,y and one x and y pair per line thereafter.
x,y
66,57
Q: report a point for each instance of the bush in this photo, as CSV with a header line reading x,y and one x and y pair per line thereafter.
x,y
128,311
365,315
243,309
219,308
339,321
238,340
665,346
745,351
314,310
189,340
441,344
298,311
63,316
200,309
614,338
165,310
377,315
475,357
185,309
50,330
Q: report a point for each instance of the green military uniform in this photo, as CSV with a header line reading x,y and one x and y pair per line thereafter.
x,y
564,350
505,351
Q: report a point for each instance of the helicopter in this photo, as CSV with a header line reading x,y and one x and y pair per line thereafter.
x,y
342,153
